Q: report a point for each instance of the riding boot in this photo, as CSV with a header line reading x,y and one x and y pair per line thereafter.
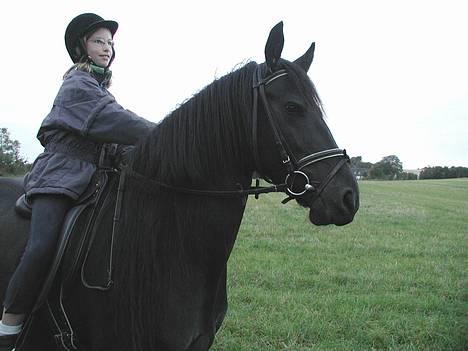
x,y
7,342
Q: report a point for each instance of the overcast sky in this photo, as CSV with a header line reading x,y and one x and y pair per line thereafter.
x,y
393,75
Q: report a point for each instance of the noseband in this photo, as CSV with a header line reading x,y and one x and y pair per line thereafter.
x,y
293,166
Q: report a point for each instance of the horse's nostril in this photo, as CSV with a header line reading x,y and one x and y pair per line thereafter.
x,y
349,200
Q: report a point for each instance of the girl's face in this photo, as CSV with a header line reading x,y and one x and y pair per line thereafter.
x,y
100,47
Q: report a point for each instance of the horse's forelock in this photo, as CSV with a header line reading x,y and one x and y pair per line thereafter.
x,y
304,85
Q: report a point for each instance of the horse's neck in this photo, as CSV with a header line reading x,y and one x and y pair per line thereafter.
x,y
200,165
207,140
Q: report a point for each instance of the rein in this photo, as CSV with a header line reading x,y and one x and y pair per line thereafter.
x,y
294,167
240,191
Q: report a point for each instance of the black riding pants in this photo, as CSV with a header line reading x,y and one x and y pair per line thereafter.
x,y
48,214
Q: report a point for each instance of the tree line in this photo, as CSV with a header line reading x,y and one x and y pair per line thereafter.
x,y
391,168
443,172
11,162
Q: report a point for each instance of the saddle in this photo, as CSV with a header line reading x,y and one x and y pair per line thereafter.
x,y
74,252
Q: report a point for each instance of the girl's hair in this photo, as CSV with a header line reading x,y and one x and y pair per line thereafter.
x,y
85,66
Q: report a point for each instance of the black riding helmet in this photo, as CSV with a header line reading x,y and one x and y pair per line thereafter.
x,y
79,27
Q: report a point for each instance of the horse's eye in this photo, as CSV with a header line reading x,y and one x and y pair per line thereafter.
x,y
293,107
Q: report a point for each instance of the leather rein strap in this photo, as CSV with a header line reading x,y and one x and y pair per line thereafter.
x,y
293,167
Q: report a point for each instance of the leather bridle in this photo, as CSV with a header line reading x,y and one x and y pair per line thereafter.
x,y
293,166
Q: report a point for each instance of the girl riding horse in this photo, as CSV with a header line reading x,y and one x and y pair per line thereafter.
x,y
84,120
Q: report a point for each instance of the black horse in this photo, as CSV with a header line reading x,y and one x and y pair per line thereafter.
x,y
186,189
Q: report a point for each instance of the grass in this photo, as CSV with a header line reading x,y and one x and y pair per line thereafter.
x,y
394,279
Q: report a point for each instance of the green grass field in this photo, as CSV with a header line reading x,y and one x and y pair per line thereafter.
x,y
394,279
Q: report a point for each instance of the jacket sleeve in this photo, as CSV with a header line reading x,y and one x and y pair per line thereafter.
x,y
109,122
85,108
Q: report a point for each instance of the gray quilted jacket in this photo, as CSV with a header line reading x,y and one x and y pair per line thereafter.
x,y
84,117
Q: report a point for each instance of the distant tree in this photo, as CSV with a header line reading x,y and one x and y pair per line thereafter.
x,y
407,176
389,168
360,169
11,163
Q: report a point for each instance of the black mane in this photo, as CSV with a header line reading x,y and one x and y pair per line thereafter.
x,y
194,141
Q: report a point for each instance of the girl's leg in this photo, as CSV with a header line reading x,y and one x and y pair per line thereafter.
x,y
47,218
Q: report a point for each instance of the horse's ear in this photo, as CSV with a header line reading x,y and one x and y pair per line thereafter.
x,y
306,60
274,46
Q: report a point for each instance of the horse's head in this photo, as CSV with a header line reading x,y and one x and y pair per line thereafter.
x,y
292,142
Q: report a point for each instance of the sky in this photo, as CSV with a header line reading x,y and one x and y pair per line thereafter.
x,y
393,75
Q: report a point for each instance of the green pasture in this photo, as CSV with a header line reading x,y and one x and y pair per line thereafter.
x,y
394,279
